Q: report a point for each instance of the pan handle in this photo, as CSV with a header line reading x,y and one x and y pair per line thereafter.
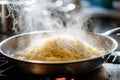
x,y
115,56
114,31
115,34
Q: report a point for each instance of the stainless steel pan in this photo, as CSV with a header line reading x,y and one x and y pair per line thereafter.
x,y
8,46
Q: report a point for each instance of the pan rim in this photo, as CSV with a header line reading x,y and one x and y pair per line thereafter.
x,y
56,62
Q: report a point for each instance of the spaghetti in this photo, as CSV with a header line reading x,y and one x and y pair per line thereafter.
x,y
58,49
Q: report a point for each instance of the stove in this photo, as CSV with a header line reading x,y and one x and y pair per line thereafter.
x,y
108,71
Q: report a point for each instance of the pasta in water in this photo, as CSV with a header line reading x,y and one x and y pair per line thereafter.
x,y
58,49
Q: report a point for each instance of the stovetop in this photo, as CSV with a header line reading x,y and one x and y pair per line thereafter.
x,y
108,71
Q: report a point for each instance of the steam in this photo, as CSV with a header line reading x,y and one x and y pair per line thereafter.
x,y
48,15
39,15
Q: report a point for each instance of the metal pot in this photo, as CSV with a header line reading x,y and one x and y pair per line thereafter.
x,y
8,46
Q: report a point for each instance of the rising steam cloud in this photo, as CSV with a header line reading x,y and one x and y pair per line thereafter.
x,y
46,15
37,15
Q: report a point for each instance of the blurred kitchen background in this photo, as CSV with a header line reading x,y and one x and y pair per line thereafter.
x,y
104,15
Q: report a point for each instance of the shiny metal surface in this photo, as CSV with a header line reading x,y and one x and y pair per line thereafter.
x,y
50,68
